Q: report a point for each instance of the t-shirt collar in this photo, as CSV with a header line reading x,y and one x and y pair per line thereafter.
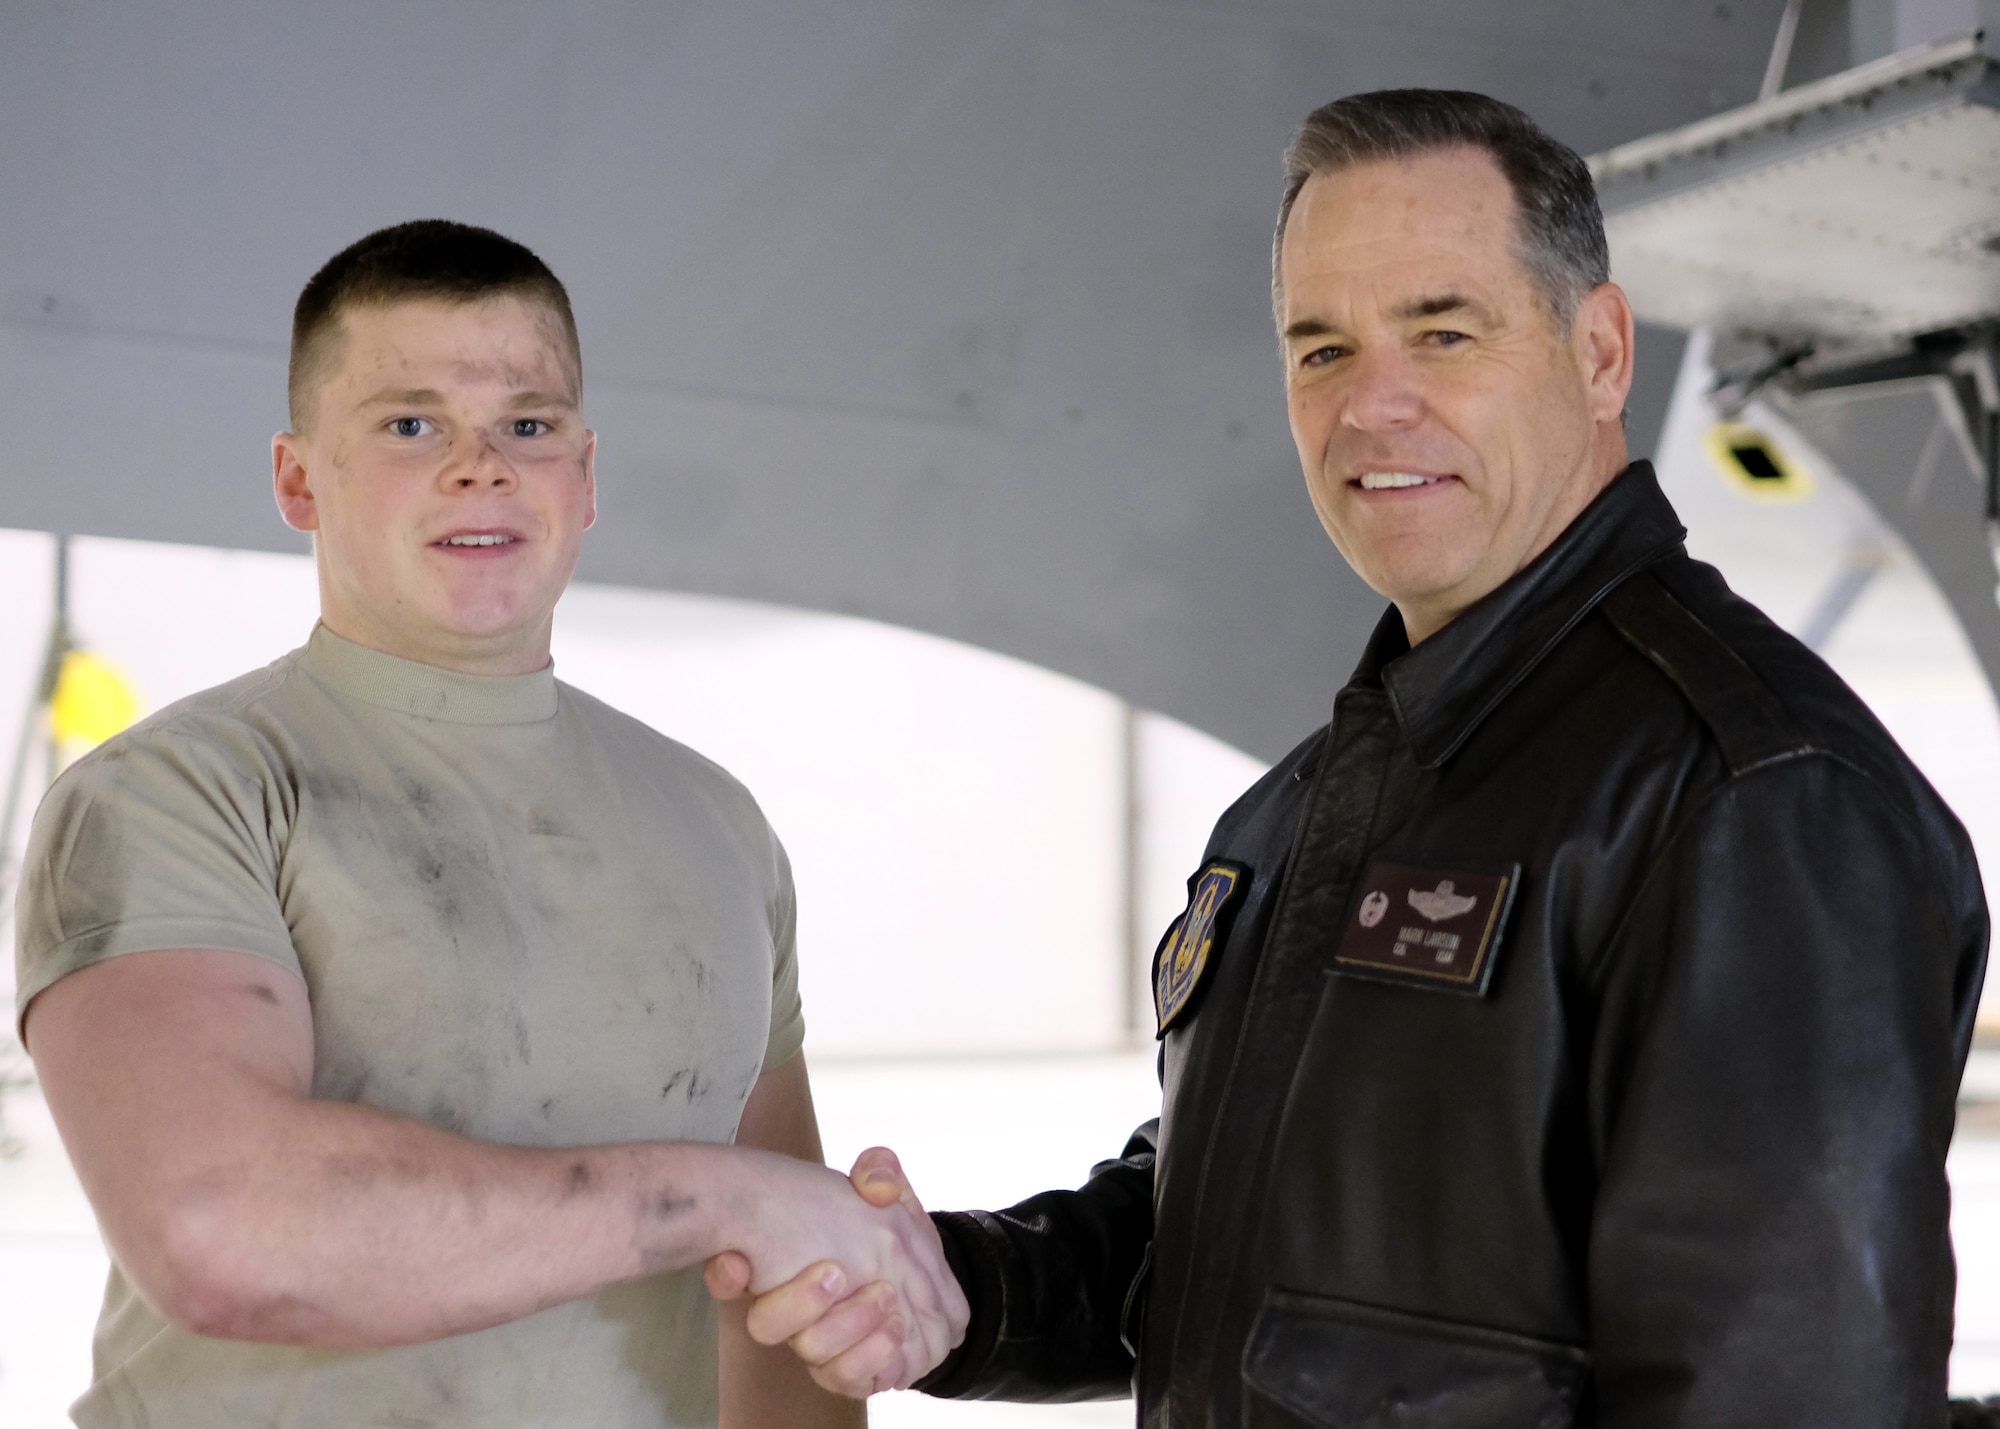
x,y
413,688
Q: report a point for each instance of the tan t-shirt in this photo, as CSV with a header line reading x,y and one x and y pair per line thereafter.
x,y
520,916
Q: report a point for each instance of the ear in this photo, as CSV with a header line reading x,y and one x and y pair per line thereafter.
x,y
590,478
290,483
1604,339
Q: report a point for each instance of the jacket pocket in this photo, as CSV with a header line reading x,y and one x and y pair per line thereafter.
x,y
1317,1362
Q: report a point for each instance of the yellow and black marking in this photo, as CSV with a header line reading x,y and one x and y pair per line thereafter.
x,y
1752,462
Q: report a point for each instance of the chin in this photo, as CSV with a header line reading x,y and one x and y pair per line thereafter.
x,y
482,624
1414,580
485,613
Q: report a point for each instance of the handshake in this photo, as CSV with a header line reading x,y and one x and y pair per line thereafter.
x,y
852,1275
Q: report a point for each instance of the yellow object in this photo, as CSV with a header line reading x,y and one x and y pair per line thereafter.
x,y
1752,462
93,699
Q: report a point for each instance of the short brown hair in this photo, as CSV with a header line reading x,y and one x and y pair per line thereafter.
x,y
1562,229
431,259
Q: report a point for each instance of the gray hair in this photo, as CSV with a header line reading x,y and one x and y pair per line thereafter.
x,y
1561,227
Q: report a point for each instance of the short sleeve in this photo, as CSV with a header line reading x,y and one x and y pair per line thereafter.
x,y
163,838
788,1023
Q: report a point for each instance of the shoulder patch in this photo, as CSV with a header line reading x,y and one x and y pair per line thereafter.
x,y
1182,961
1747,718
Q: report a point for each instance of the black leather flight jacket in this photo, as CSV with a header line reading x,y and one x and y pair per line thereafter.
x,y
1682,1163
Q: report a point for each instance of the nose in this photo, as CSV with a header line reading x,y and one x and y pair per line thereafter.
x,y
1383,393
479,466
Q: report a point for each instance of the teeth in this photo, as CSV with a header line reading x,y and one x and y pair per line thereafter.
x,y
1392,480
477,540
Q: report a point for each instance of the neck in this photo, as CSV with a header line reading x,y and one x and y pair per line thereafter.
x,y
513,653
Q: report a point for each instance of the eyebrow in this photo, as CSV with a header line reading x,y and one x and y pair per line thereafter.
x,y
404,397
1438,306
541,399
1416,308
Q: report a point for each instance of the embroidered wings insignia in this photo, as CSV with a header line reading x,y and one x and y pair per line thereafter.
x,y
1443,902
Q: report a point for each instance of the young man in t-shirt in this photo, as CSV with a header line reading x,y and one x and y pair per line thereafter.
x,y
398,1004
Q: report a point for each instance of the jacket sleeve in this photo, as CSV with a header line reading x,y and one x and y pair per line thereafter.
x,y
1053,1283
1782,1021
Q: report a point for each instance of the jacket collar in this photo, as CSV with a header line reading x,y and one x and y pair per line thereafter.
x,y
1442,689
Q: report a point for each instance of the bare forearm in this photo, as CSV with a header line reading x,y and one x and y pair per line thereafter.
x,y
243,1208
339,1225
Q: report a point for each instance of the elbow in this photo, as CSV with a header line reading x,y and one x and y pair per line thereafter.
x,y
203,1272
205,1306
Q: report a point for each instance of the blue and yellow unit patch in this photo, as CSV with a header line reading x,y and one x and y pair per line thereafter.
x,y
1187,950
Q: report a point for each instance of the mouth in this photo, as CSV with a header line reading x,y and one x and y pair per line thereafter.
x,y
1397,480
476,540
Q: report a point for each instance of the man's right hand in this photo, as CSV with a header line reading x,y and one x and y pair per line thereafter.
x,y
858,1344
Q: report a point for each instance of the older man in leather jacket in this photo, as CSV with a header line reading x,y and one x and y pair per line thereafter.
x,y
1569,1032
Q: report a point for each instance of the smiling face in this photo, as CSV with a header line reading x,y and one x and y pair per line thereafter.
x,y
447,480
1448,428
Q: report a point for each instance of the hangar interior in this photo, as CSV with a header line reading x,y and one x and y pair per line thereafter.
x,y
948,497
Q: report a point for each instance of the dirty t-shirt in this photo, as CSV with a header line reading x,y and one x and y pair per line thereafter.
x,y
519,914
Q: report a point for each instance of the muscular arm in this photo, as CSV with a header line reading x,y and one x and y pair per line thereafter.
x,y
244,1209
765,1387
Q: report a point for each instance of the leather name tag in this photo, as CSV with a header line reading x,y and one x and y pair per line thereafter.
x,y
1427,927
